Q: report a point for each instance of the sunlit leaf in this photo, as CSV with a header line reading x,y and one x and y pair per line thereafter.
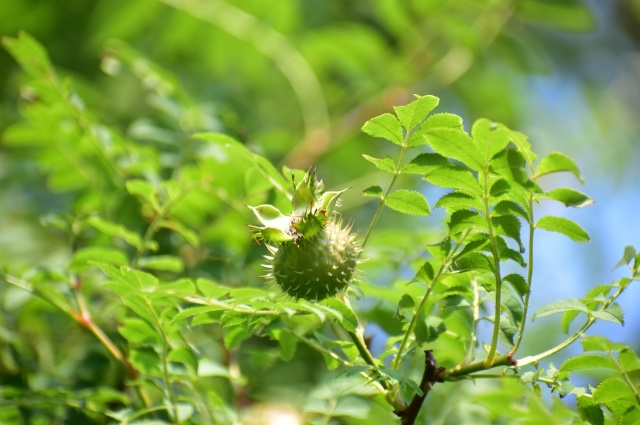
x,y
455,201
557,162
408,202
611,390
454,177
29,53
373,192
385,126
569,197
490,137
412,114
588,361
386,164
456,144
139,332
561,306
565,226
628,256
349,319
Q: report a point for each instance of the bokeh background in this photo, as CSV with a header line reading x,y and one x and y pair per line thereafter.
x,y
296,79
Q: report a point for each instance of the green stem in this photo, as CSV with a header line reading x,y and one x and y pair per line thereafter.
x,y
167,379
529,280
412,324
496,261
476,319
461,371
396,174
590,321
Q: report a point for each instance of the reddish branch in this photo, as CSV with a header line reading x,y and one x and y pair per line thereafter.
x,y
430,376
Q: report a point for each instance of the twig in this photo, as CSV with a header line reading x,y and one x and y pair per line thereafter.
x,y
430,376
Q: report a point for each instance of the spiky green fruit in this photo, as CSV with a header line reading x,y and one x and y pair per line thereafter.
x,y
313,255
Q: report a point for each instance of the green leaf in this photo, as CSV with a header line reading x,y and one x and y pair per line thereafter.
x,y
144,190
589,411
565,226
588,361
408,202
373,192
386,164
386,126
146,361
508,225
424,163
560,306
133,279
186,357
569,197
568,15
189,235
415,112
443,120
557,162
454,177
490,137
83,256
237,151
270,216
349,319
115,230
567,319
599,343
434,122
507,331
30,54
524,147
456,201
455,144
288,343
611,390
167,263
628,256
518,283
509,208
629,360
329,200
138,331
428,329
464,219
613,313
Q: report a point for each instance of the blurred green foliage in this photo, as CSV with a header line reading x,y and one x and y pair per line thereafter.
x,y
291,80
